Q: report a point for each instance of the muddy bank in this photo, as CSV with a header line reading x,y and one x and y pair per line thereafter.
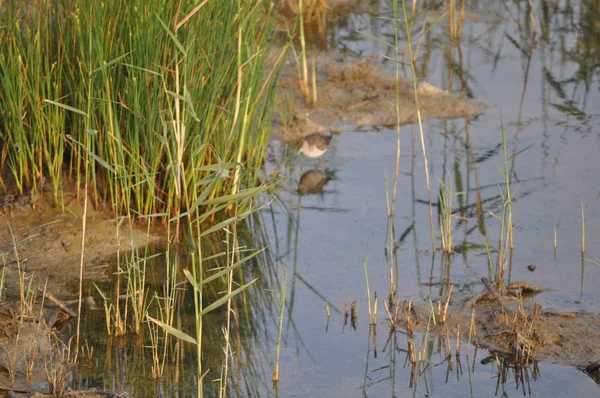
x,y
357,93
517,327
46,241
34,362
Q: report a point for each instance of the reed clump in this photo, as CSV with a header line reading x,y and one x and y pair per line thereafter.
x,y
154,96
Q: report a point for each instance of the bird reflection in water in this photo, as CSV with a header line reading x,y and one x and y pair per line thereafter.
x,y
313,181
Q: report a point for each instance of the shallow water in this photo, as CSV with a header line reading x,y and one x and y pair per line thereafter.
x,y
346,223
319,241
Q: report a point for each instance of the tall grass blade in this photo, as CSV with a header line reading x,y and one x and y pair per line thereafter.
x,y
67,107
173,331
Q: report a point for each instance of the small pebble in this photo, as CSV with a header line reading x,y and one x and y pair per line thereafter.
x,y
531,267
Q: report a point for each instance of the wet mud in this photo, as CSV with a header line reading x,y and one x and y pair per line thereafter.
x,y
361,94
46,241
514,327
34,361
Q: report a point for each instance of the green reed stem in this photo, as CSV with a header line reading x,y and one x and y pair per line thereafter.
x,y
414,79
162,91
368,289
282,297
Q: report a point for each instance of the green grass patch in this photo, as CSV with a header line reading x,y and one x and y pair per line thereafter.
x,y
158,97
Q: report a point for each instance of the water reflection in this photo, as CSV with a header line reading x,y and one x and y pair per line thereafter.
x,y
527,64
313,181
512,369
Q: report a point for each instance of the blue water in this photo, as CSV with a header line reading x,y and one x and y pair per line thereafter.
x,y
323,239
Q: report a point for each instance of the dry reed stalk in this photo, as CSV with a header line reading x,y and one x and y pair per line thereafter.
x,y
532,17
58,303
451,20
409,320
368,290
447,303
354,314
410,333
455,21
345,314
472,331
390,317
375,340
411,352
375,310
448,346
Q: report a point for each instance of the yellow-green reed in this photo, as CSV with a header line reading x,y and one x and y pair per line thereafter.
x,y
445,197
415,79
200,265
167,95
282,297
505,219
505,239
166,304
371,319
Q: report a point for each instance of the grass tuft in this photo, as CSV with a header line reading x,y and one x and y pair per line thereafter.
x,y
147,94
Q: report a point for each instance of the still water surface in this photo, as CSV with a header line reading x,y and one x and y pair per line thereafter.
x,y
545,93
